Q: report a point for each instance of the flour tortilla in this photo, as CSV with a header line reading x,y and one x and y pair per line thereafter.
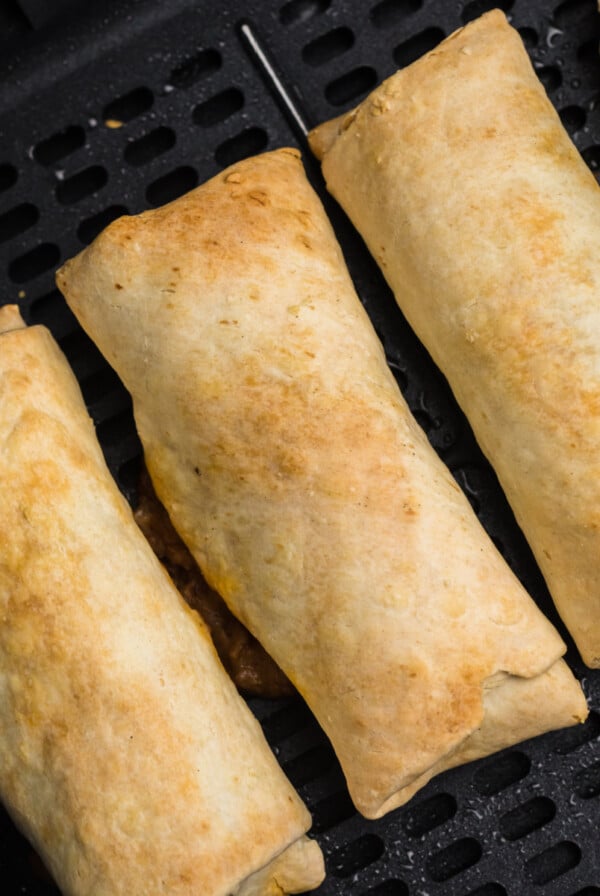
x,y
290,464
486,222
126,755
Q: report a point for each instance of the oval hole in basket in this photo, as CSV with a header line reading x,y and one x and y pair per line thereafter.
x,y
454,858
90,227
501,772
52,310
302,10
572,738
46,307
527,817
390,12
570,12
550,76
150,146
355,856
290,719
388,888
17,220
195,68
82,184
530,37
247,143
129,106
99,384
128,475
587,782
8,177
588,891
328,46
490,889
591,157
587,52
430,814
33,263
331,811
350,86
172,185
59,145
552,862
314,763
573,118
218,108
77,346
417,45
86,364
477,8
116,429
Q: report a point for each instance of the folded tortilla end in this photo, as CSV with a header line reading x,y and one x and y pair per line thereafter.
x,y
298,868
589,654
10,318
322,138
515,709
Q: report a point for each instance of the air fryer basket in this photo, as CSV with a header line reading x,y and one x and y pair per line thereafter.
x,y
127,106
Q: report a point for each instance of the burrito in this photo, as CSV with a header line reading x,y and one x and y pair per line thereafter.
x,y
126,755
280,444
486,222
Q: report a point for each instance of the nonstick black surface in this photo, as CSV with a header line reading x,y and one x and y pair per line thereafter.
x,y
109,108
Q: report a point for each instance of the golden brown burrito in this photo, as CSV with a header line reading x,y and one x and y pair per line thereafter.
x,y
278,440
486,223
126,755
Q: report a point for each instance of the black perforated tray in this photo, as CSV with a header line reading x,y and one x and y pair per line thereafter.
x,y
130,104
